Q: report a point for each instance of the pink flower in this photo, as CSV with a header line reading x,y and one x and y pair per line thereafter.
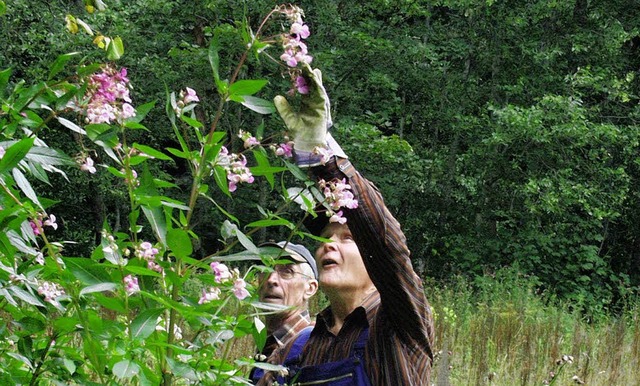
x,y
35,226
285,149
50,291
337,195
289,57
191,96
251,142
337,217
51,222
87,166
221,272
301,85
131,284
108,95
209,295
301,30
239,289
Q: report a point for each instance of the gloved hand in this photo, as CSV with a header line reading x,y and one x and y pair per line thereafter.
x,y
308,126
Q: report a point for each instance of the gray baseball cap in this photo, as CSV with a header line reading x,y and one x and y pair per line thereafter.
x,y
297,253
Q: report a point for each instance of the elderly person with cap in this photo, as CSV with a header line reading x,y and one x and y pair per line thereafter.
x,y
378,327
289,285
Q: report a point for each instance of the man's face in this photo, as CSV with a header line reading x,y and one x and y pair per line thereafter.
x,y
287,285
339,262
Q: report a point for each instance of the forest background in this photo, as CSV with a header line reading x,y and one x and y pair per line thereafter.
x,y
503,134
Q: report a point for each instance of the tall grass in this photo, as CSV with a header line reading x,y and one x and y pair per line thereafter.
x,y
501,333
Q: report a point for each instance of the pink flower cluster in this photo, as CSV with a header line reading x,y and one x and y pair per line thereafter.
x,y
284,149
37,224
186,97
209,295
236,168
50,291
248,139
223,274
147,252
131,284
108,95
337,195
295,49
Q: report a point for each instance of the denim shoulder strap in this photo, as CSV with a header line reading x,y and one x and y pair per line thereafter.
x,y
301,340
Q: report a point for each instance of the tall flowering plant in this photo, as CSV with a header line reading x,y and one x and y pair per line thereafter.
x,y
140,309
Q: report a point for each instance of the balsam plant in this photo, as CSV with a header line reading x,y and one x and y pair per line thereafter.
x,y
123,314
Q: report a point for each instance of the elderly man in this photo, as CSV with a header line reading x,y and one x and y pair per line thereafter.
x,y
378,328
290,285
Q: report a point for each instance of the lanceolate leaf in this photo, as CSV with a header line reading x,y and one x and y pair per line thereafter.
x,y
145,324
100,287
126,369
15,153
58,65
246,87
259,105
25,186
71,126
155,216
179,242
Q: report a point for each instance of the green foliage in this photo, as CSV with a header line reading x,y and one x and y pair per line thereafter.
x,y
522,120
140,305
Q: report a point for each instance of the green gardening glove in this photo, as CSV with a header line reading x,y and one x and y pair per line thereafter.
x,y
308,126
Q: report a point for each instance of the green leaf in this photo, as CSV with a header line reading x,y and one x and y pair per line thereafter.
x,y
65,325
179,242
71,126
4,79
259,105
145,323
115,49
141,271
47,156
100,287
152,152
246,87
271,223
214,58
86,270
155,216
220,176
246,242
142,111
25,186
110,302
3,8
126,369
69,365
59,64
15,153
26,296
192,122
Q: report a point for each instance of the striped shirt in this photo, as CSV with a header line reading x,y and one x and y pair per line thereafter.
x,y
399,347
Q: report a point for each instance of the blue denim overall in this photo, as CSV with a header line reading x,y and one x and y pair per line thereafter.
x,y
296,350
347,372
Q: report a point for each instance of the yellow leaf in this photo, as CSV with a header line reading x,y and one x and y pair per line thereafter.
x,y
72,26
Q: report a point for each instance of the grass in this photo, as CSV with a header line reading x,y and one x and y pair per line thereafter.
x,y
503,334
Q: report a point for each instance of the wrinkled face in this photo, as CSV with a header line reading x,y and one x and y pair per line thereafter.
x,y
288,285
339,262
